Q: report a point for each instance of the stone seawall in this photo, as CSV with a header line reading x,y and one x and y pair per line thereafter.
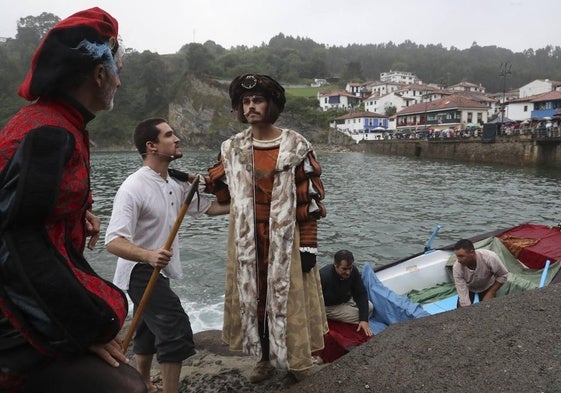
x,y
515,151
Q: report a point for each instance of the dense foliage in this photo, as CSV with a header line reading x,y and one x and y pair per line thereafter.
x,y
151,81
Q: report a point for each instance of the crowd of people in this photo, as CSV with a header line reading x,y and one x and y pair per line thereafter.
x,y
60,321
548,128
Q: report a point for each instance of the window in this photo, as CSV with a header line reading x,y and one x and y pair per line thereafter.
x,y
525,108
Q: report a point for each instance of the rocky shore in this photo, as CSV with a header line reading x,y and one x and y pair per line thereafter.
x,y
509,344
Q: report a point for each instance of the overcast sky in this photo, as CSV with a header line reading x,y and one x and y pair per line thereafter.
x,y
164,26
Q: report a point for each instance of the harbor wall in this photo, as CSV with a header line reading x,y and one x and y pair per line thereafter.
x,y
514,151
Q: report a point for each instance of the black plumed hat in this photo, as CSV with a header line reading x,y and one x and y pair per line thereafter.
x,y
254,83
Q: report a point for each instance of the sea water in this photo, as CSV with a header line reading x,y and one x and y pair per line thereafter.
x,y
382,208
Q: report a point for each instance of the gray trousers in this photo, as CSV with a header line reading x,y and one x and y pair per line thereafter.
x,y
346,312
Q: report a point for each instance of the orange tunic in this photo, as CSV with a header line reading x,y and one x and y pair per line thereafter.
x,y
265,160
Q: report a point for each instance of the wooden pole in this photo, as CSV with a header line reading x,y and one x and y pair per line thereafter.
x,y
156,272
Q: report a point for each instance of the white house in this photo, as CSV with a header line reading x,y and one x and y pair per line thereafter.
x,y
379,104
382,88
354,88
337,100
417,92
361,125
538,86
319,82
519,109
399,77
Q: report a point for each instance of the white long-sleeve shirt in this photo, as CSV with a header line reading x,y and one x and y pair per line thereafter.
x,y
144,212
489,269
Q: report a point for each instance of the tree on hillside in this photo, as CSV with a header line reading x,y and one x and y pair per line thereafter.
x,y
390,110
315,65
30,30
33,28
198,58
353,71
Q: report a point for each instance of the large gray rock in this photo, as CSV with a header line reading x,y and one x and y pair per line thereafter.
x,y
508,344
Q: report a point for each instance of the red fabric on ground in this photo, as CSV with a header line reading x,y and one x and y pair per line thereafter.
x,y
547,244
340,339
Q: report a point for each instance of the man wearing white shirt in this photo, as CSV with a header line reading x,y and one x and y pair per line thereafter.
x,y
476,271
144,211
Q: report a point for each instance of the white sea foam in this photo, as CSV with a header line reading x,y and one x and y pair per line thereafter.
x,y
202,317
206,317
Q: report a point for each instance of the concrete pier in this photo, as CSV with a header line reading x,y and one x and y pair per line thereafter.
x,y
521,151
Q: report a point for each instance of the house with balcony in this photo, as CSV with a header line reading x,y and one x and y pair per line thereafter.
x,y
337,100
540,106
361,125
492,104
546,105
454,112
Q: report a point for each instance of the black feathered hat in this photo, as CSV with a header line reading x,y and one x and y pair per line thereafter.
x,y
254,83
57,56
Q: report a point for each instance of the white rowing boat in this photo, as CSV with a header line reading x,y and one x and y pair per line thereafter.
x,y
531,253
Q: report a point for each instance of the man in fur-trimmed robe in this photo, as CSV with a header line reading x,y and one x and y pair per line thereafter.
x,y
274,304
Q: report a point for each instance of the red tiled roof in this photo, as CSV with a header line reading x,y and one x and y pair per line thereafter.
x,y
336,93
549,96
476,96
415,86
465,84
452,102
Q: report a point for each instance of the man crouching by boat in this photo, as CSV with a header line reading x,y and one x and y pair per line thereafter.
x,y
476,271
344,294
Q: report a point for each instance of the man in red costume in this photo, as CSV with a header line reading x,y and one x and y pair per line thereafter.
x,y
274,304
58,319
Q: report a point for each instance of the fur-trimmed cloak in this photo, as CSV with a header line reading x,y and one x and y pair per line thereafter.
x,y
295,309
